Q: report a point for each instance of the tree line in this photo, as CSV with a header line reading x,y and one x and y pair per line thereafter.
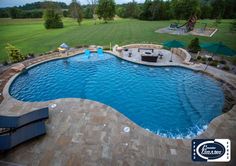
x,y
149,10
178,9
36,10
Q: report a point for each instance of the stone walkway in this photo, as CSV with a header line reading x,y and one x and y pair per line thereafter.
x,y
84,132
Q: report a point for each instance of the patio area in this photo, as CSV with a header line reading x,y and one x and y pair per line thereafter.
x,y
163,56
90,133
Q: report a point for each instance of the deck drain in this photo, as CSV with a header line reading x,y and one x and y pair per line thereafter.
x,y
126,129
53,105
173,152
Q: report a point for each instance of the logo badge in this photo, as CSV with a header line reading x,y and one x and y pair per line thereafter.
x,y
211,150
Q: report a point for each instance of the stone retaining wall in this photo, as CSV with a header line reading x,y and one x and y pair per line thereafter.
x,y
183,54
155,46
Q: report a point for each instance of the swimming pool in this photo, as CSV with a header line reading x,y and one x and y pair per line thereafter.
x,y
169,101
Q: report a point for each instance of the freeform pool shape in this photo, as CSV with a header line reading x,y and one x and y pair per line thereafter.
x,y
169,101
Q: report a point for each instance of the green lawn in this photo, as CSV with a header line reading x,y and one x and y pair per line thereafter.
x,y
31,37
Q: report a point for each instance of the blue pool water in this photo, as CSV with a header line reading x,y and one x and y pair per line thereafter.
x,y
169,101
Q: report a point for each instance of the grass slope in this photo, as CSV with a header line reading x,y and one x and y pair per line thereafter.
x,y
31,37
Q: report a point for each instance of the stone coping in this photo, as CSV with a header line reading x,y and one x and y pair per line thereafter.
x,y
192,67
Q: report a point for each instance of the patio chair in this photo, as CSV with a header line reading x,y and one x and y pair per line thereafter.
x,y
130,54
18,129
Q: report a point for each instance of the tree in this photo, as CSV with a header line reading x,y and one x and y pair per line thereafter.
x,y
129,10
4,13
14,53
206,10
194,45
75,11
147,13
65,13
15,12
183,9
93,5
230,9
88,12
233,26
218,8
132,10
106,10
52,18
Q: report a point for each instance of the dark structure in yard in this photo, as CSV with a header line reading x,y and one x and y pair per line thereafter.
x,y
190,23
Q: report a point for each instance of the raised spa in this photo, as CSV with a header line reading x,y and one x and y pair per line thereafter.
x,y
169,101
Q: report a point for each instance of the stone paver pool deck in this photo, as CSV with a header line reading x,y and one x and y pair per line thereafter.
x,y
85,132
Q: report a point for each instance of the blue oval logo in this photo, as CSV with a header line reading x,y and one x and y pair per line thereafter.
x,y
211,150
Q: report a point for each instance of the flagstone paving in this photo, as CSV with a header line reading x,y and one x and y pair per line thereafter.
x,y
85,132
90,133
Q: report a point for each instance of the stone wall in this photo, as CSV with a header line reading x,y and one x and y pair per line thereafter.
x,y
155,46
183,54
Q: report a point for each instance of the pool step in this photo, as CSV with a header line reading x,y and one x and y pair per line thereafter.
x,y
186,104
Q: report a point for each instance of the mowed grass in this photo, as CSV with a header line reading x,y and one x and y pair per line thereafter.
x,y
31,37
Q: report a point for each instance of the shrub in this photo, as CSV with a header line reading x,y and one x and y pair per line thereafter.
x,y
210,59
79,46
223,62
203,59
14,53
226,67
199,57
106,48
30,55
214,63
5,63
233,26
194,46
52,19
